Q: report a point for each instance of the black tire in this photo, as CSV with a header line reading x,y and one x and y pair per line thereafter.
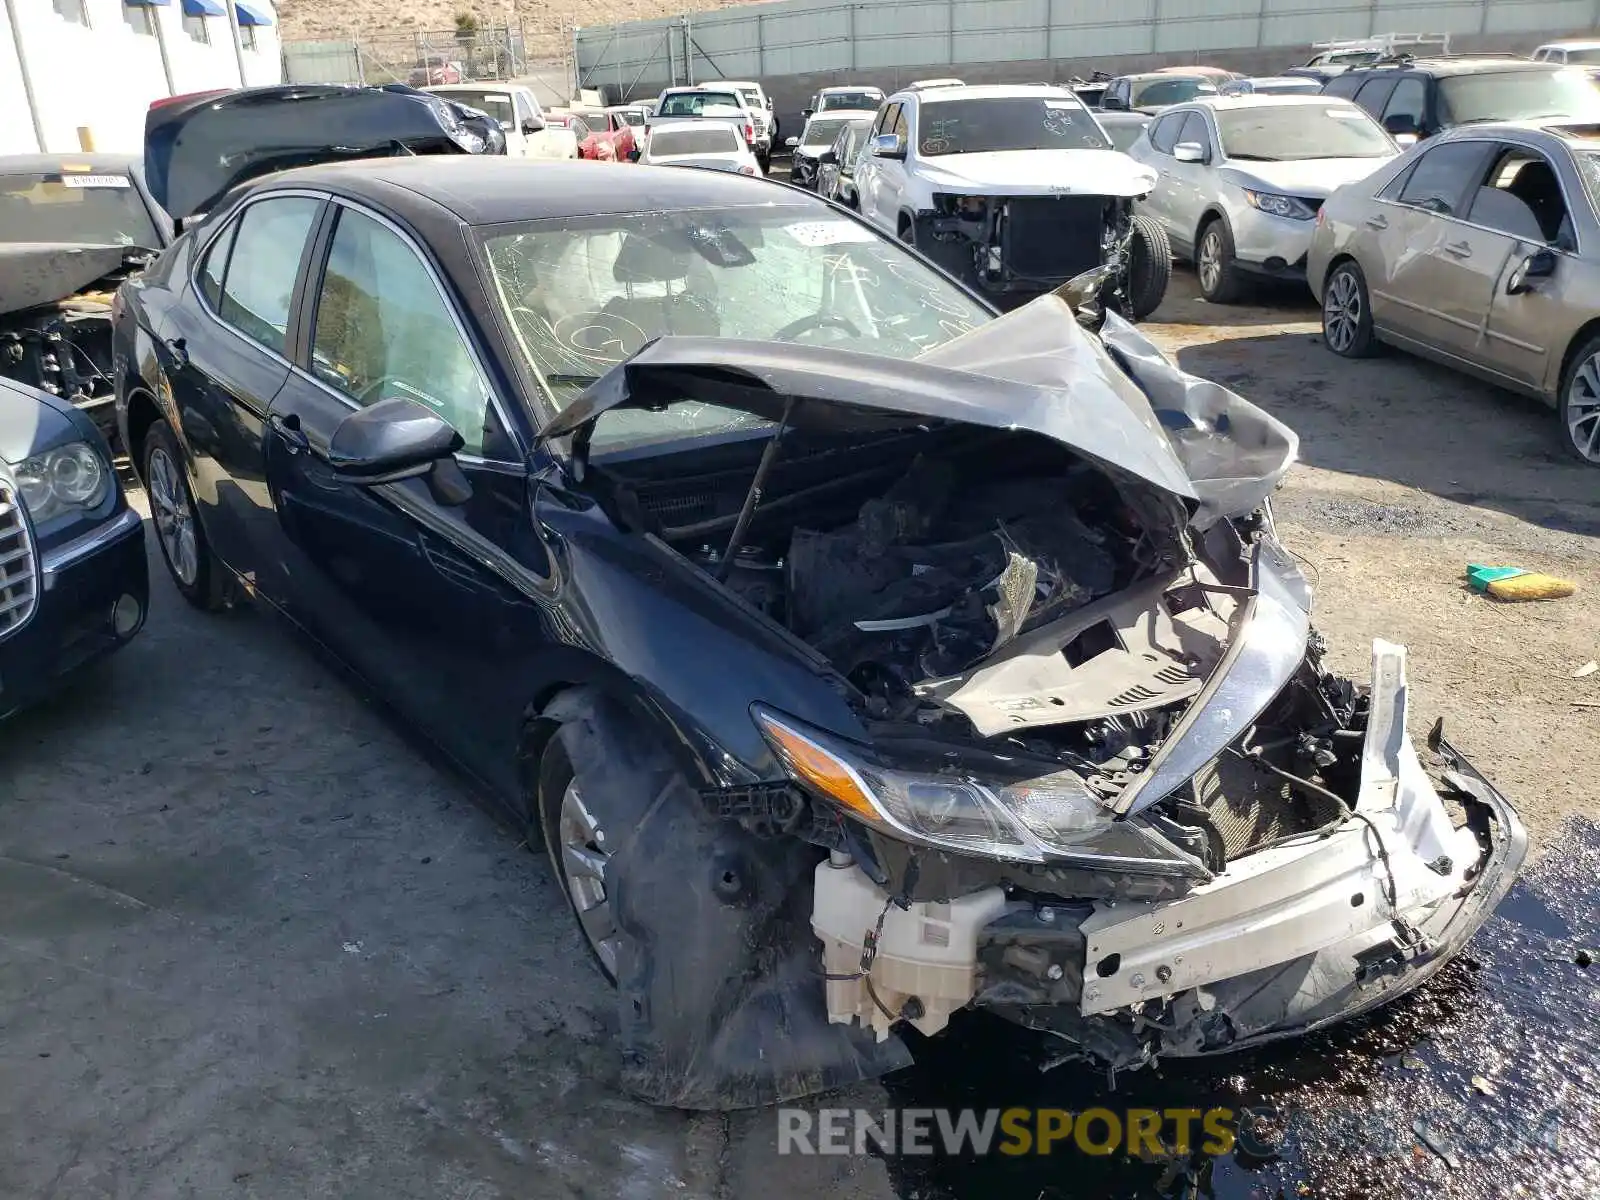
x,y
764,161
1580,403
1149,267
206,583
1225,286
1347,312
908,233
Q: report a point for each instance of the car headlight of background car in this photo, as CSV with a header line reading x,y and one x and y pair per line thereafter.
x,y
1050,818
1279,206
68,478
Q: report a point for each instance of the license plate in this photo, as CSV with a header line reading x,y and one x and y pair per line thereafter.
x,y
95,181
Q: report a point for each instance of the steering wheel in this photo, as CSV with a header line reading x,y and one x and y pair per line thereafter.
x,y
374,392
793,330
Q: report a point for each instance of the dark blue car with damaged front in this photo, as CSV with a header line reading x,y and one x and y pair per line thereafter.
x,y
74,584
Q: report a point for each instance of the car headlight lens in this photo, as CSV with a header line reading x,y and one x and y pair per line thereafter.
x,y
1279,206
60,480
1051,818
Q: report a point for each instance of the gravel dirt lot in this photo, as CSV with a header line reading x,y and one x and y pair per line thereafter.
x,y
253,944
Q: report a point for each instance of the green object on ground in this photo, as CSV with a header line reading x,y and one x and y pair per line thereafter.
x,y
1480,577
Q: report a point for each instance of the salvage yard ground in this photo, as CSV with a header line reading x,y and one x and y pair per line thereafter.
x,y
253,944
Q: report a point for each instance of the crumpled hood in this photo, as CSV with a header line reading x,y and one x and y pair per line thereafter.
x,y
1114,400
1038,173
1316,177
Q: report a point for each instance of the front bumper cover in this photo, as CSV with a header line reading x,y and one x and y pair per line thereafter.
x,y
1285,941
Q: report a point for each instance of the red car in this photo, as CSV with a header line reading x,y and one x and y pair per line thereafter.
x,y
609,137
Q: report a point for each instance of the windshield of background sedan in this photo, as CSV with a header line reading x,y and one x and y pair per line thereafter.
x,y
496,104
1302,131
75,209
1519,96
820,134
712,139
1583,56
633,116
1180,90
693,104
859,100
582,294
1007,123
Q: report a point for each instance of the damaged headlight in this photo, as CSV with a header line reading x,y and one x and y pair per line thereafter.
x,y
1048,819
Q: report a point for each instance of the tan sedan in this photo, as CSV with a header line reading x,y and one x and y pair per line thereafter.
x,y
1479,248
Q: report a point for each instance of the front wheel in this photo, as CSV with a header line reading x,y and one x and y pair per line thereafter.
x,y
1215,264
196,570
1149,267
1580,402
1347,313
576,838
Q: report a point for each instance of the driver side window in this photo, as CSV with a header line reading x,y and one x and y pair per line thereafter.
x,y
383,329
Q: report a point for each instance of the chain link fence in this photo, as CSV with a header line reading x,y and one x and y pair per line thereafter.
x,y
490,52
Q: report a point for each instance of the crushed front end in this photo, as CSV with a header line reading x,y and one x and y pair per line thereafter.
x,y
1028,245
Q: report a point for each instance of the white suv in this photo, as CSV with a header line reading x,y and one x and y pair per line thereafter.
x,y
1014,189
760,105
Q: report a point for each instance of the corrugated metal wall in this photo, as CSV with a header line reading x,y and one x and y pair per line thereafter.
x,y
813,37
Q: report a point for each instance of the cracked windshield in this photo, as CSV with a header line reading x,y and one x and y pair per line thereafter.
x,y
584,294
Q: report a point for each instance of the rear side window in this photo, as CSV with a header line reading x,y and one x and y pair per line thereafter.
x,y
1441,179
216,262
259,289
1343,85
1407,104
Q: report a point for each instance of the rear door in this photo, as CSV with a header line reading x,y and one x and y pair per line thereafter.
x,y
1426,278
869,172
403,587
226,354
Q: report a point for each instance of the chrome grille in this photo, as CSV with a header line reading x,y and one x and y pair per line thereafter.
x,y
19,570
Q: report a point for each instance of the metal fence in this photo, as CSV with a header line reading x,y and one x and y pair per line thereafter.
x,y
811,37
492,51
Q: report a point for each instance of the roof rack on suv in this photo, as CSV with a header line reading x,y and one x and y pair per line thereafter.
x,y
1388,44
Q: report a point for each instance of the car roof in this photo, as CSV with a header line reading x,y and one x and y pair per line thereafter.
x,y
850,87
1265,100
1140,76
992,91
1571,44
50,164
1578,134
486,189
1457,66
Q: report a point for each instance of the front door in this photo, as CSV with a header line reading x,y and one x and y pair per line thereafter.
x,y
411,588
225,358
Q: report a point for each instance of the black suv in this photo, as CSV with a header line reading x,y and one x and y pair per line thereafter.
x,y
1421,96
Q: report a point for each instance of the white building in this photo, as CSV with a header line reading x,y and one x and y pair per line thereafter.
x,y
80,74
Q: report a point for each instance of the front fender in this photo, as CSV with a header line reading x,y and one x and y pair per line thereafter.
x,y
636,618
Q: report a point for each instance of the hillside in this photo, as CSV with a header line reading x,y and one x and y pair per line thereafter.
x,y
546,24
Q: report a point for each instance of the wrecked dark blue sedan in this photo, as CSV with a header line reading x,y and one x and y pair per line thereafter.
x,y
857,654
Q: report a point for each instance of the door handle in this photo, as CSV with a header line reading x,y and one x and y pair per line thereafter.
x,y
179,349
1378,222
287,427
1459,250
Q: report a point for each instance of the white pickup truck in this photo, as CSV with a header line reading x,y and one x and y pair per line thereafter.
x,y
528,134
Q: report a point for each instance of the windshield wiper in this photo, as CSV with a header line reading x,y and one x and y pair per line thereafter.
x,y
585,380
1253,158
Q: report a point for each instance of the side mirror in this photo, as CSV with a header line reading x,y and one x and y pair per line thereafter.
x,y
1399,124
791,142
1189,152
1114,103
633,155
889,145
532,125
806,112
1541,264
827,157
394,439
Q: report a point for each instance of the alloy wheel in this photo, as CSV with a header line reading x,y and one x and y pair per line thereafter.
x,y
169,504
583,861
1583,409
1211,259
1341,312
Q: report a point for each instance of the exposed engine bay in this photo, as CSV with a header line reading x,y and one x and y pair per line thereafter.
x,y
55,319
1026,244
